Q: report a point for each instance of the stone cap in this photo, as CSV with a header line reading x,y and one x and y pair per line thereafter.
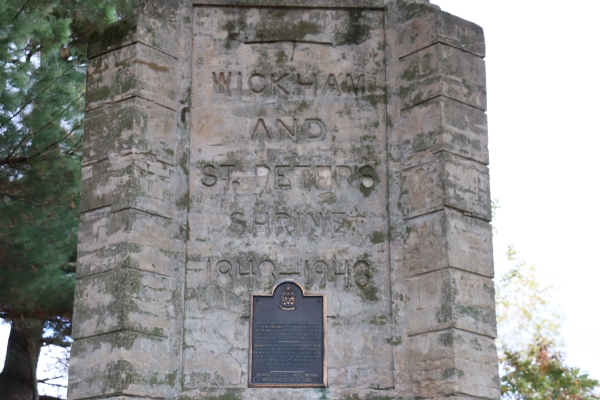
x,y
152,31
307,3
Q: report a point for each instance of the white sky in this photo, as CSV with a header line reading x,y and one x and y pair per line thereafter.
x,y
543,75
543,72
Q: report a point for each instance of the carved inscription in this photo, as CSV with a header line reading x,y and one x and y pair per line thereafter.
x,y
276,83
267,176
263,222
294,129
287,182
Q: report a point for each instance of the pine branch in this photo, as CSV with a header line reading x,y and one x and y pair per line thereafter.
x,y
28,100
69,269
15,161
20,10
45,381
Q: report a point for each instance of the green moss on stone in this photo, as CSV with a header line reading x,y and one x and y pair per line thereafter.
x,y
377,237
379,320
418,98
357,31
369,292
230,394
446,339
183,201
281,58
183,163
171,378
303,106
158,332
370,396
444,313
411,72
449,292
394,340
120,375
452,372
112,36
285,30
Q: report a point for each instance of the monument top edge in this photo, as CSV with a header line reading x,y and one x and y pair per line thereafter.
x,y
302,3
294,3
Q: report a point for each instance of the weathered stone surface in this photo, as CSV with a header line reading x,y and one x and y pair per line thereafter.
x,y
129,238
347,4
231,144
128,180
448,239
450,299
128,397
146,29
454,361
442,124
425,27
135,125
131,251
118,363
450,181
122,299
136,70
441,70
287,179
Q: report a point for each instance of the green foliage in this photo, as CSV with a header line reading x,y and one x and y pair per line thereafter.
x,y
42,78
42,82
524,308
539,372
529,337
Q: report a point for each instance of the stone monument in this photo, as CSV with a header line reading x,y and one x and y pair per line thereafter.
x,y
285,199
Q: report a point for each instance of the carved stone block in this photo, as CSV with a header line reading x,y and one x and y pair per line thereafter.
x,y
119,363
234,145
129,238
450,181
128,180
135,125
454,361
441,70
442,124
136,70
424,27
450,298
448,239
122,299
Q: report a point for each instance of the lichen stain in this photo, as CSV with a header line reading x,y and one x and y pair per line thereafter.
x,y
151,65
357,32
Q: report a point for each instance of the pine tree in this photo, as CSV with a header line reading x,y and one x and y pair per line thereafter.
x,y
42,82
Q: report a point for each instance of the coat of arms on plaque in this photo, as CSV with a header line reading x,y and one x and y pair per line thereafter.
x,y
288,299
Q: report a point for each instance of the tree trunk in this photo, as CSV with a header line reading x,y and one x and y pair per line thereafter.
x,y
18,380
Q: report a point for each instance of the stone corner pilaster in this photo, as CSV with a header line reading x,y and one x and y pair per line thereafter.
x,y
438,146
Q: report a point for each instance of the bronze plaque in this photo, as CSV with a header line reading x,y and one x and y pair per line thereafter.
x,y
288,346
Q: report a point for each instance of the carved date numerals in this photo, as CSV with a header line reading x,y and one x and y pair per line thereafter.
x,y
265,273
227,270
